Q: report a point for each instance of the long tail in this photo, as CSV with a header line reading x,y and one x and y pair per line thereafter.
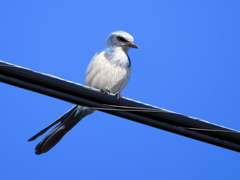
x,y
67,122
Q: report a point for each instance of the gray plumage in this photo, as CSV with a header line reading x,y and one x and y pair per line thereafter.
x,y
108,70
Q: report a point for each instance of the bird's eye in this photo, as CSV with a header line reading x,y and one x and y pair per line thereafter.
x,y
121,39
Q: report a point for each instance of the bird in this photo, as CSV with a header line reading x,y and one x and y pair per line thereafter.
x,y
108,71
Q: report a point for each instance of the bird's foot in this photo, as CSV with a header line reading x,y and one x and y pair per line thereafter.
x,y
105,91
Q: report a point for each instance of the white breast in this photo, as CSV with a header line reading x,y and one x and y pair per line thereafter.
x,y
108,71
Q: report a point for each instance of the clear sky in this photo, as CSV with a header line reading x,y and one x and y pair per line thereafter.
x,y
188,62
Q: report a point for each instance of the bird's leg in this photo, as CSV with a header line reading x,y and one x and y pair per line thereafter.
x,y
118,95
105,91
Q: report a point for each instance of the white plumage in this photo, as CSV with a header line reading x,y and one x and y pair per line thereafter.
x,y
104,73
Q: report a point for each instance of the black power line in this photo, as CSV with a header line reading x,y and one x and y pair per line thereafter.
x,y
143,113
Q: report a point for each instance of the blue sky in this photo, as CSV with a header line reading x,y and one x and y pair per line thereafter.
x,y
188,62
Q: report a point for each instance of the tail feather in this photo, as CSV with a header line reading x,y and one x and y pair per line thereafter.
x,y
62,118
67,122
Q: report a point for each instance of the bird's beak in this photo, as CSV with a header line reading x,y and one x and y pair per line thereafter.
x,y
133,45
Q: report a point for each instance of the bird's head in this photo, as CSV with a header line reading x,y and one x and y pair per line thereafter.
x,y
120,39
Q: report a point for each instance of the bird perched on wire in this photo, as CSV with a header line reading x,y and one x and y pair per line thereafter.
x,y
108,71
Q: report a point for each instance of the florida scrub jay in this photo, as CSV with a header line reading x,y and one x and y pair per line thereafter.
x,y
109,71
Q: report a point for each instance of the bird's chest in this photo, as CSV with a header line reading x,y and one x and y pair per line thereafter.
x,y
109,71
118,59
116,76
